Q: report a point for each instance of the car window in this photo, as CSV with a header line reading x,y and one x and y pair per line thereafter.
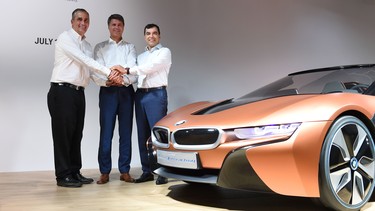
x,y
354,80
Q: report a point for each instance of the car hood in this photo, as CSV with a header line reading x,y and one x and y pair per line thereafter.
x,y
278,110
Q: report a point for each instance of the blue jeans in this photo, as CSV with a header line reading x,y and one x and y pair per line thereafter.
x,y
115,102
150,107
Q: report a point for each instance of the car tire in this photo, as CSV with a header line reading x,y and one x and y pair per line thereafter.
x,y
346,169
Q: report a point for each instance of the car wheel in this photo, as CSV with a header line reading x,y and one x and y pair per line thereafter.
x,y
346,171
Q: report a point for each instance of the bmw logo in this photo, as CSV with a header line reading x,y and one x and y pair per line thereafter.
x,y
354,164
180,122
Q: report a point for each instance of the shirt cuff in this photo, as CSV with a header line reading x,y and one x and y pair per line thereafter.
x,y
133,71
126,80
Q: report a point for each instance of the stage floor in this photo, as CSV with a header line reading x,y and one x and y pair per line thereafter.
x,y
38,191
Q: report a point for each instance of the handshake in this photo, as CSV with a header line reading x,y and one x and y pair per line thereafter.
x,y
115,78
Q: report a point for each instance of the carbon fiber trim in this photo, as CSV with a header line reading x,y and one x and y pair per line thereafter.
x,y
237,173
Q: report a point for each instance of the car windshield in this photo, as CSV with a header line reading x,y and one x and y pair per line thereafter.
x,y
357,79
354,79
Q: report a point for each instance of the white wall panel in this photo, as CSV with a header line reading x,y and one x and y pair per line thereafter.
x,y
220,49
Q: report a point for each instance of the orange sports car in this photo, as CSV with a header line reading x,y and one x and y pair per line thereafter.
x,y
309,134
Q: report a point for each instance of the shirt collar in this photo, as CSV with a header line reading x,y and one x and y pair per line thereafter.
x,y
114,42
156,47
76,35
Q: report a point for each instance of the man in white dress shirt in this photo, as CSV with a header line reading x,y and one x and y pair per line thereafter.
x,y
66,98
151,99
115,100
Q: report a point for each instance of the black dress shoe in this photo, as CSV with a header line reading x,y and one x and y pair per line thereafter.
x,y
82,179
161,180
69,182
144,178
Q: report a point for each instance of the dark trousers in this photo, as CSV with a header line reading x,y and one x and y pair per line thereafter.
x,y
67,110
150,107
115,102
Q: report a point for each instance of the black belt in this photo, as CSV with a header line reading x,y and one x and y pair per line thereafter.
x,y
68,85
151,89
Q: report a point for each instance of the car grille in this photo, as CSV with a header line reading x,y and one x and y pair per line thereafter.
x,y
188,138
196,136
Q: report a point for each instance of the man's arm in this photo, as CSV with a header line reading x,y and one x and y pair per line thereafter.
x,y
98,56
159,62
130,79
72,50
131,59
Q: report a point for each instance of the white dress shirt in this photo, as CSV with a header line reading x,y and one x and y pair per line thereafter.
x,y
73,60
110,53
153,67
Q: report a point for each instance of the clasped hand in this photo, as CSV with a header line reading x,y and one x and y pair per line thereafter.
x,y
115,77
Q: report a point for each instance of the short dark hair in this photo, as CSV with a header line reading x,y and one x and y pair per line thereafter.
x,y
149,26
116,17
74,13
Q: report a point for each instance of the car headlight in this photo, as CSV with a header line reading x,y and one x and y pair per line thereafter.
x,y
267,131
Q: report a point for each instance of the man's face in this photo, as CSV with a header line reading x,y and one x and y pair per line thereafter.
x,y
116,28
81,23
152,37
